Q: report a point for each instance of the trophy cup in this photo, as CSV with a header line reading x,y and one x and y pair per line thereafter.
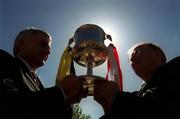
x,y
90,51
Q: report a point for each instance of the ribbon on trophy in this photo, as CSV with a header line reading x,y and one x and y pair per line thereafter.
x,y
66,66
114,72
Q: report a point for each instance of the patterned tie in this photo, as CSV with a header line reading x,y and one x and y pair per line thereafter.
x,y
35,78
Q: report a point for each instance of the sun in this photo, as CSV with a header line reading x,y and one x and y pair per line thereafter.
x,y
111,30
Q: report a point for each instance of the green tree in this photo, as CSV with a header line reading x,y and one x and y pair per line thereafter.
x,y
77,113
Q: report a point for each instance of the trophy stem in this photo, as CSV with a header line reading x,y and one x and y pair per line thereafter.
x,y
89,65
89,70
89,80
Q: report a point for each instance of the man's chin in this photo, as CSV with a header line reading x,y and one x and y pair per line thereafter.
x,y
41,63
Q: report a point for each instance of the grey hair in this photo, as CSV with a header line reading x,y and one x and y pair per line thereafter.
x,y
152,47
25,33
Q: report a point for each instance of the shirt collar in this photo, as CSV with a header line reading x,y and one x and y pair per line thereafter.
x,y
26,64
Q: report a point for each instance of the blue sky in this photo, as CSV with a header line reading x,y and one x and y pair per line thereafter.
x,y
128,21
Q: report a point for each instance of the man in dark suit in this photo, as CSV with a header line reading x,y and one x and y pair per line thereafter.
x,y
22,93
158,97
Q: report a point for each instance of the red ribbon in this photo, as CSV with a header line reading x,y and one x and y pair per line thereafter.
x,y
115,53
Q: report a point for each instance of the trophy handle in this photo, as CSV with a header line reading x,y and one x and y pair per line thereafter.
x,y
71,40
107,36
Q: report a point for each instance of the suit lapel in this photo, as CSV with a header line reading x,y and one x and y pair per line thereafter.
x,y
27,78
28,81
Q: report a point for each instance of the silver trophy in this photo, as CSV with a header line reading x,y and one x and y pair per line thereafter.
x,y
90,51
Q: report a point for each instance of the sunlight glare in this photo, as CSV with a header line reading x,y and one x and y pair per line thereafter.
x,y
111,28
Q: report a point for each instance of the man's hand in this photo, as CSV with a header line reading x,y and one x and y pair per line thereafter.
x,y
104,91
73,89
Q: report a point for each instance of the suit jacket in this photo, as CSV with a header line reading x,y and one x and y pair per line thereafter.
x,y
158,98
22,96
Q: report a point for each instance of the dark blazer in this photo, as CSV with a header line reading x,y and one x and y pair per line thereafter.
x,y
21,96
158,98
